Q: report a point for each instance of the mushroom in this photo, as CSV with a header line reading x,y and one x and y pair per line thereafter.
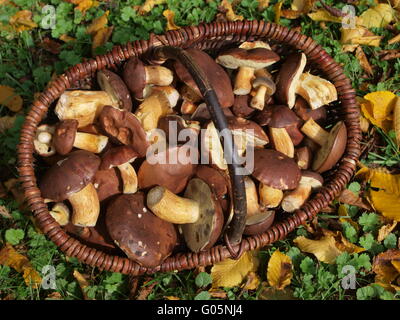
x,y
304,112
60,213
111,83
247,61
121,157
170,207
137,76
202,234
84,106
259,223
309,181
316,90
171,168
276,171
251,197
107,183
142,236
216,75
70,179
179,131
332,144
288,78
265,87
201,114
215,179
303,157
158,104
188,107
269,197
254,44
241,107
43,143
66,137
124,128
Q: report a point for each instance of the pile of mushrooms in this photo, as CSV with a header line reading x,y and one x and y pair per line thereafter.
x,y
121,176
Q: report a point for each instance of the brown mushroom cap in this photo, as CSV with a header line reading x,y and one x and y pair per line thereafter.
x,y
256,58
202,114
116,156
143,237
124,128
215,179
134,76
331,152
69,175
203,234
64,136
311,178
259,223
219,79
116,88
241,106
107,183
265,82
275,169
288,77
172,126
304,112
244,126
171,169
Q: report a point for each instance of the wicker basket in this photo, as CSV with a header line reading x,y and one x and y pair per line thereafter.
x,y
210,36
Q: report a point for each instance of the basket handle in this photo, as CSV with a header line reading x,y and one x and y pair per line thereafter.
x,y
237,224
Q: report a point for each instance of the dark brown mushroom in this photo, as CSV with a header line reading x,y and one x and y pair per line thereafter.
x,y
107,183
144,238
304,112
124,128
241,107
303,157
259,223
178,130
216,75
111,83
71,178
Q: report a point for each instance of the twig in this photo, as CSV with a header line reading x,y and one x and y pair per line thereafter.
x,y
332,11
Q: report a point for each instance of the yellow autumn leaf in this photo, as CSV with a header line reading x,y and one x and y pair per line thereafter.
x,y
101,37
382,103
230,14
342,211
324,16
84,5
377,17
278,11
230,273
252,282
10,99
362,58
279,272
170,16
386,271
324,249
385,230
22,21
11,258
262,4
359,36
172,298
82,282
396,120
149,5
367,111
98,23
66,38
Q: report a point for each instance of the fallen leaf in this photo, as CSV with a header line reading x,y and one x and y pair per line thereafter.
x,y
275,294
229,13
11,258
6,122
359,36
101,37
230,273
396,120
383,266
385,230
298,8
10,99
22,21
66,38
54,296
349,197
84,5
170,16
325,16
377,17
279,272
82,282
172,298
5,213
149,5
13,186
362,58
217,293
342,211
98,24
343,244
278,11
146,289
262,5
252,282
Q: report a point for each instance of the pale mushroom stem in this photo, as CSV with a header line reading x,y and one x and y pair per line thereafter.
x,y
60,213
270,197
295,199
251,197
243,81
86,207
44,137
258,101
158,75
129,178
170,207
314,131
282,141
90,142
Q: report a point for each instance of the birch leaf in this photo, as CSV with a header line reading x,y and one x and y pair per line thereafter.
x,y
279,272
325,16
383,266
377,17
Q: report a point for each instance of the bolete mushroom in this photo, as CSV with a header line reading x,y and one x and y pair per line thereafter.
x,y
137,76
67,137
158,104
316,90
265,88
216,75
288,78
276,173
259,223
241,107
247,61
70,179
43,142
309,181
107,183
121,157
303,157
142,236
304,112
178,130
171,168
60,213
202,234
332,144
124,128
111,83
84,106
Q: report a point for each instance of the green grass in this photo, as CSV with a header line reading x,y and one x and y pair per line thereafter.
x,y
27,67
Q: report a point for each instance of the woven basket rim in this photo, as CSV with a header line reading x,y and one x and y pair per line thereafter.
x,y
204,36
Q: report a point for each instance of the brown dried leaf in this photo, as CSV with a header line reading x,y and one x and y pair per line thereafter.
x,y
362,58
149,5
229,12
22,21
101,37
385,271
349,197
146,289
5,213
10,99
278,11
217,293
262,5
385,230
82,282
84,5
279,273
275,294
170,16
98,24
6,123
252,282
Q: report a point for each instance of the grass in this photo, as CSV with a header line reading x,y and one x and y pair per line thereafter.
x,y
27,66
